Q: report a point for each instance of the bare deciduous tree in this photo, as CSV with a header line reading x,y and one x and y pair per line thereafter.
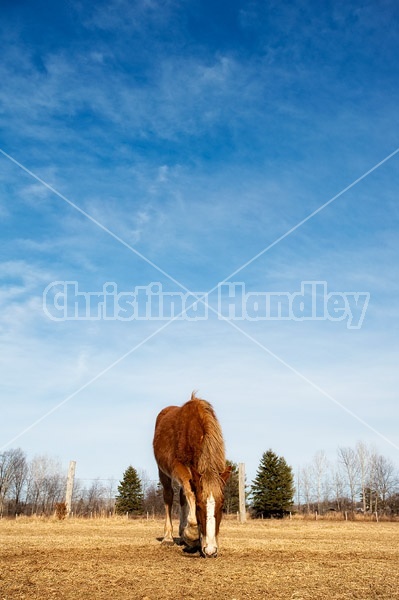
x,y
363,461
319,468
306,485
348,458
338,485
385,478
8,461
46,484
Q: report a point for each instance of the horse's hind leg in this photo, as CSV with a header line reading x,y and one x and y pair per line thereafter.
x,y
168,499
190,534
183,513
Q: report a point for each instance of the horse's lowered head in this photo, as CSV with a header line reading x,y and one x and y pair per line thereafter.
x,y
209,494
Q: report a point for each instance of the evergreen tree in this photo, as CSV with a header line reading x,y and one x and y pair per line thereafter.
x,y
130,493
231,493
272,490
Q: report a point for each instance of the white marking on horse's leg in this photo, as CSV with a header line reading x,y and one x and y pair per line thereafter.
x,y
190,533
168,533
192,515
210,538
168,500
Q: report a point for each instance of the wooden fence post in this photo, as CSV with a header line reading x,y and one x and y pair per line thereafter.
x,y
69,486
241,492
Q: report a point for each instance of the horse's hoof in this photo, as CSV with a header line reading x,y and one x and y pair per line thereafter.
x,y
167,542
191,549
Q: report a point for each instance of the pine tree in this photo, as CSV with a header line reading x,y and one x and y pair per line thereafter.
x,y
130,493
272,490
231,490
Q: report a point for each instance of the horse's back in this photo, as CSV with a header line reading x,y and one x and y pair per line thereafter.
x,y
179,432
181,417
165,415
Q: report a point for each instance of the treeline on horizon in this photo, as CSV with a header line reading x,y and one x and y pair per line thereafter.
x,y
360,480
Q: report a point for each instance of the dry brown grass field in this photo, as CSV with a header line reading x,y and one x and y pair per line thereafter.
x,y
120,559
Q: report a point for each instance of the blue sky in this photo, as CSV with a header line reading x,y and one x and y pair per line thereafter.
x,y
197,134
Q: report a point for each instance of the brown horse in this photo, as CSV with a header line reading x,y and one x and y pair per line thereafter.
x,y
189,448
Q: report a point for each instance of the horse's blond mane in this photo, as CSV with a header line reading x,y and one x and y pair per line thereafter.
x,y
212,461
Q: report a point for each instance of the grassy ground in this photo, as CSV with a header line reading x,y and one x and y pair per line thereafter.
x,y
119,559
